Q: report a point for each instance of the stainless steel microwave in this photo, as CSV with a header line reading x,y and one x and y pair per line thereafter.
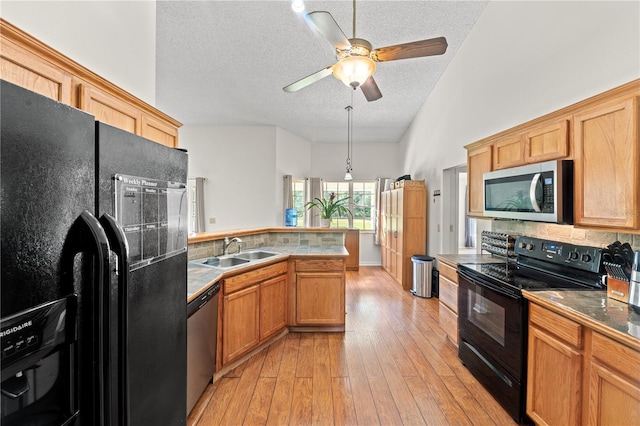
x,y
540,192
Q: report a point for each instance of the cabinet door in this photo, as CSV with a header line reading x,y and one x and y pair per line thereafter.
x,y
606,166
554,379
478,162
273,306
319,298
241,331
26,70
548,142
352,244
613,399
159,131
110,110
508,152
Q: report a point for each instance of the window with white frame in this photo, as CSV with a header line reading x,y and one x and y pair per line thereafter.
x,y
298,186
362,203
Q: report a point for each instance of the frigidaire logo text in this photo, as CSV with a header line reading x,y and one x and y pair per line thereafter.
x,y
11,330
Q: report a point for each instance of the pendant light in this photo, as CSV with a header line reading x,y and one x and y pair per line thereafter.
x,y
349,108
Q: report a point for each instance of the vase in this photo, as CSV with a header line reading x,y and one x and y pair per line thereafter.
x,y
325,223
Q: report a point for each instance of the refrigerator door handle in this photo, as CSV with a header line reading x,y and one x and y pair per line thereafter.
x,y
120,247
87,236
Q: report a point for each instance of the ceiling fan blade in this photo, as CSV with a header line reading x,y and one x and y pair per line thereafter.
x,y
415,49
324,23
370,90
304,82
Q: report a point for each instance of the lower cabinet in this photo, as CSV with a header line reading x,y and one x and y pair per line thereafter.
x,y
254,309
448,300
577,375
241,323
320,293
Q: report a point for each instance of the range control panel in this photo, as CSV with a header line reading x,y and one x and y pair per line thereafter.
x,y
586,258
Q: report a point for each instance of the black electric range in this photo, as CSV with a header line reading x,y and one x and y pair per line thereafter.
x,y
492,313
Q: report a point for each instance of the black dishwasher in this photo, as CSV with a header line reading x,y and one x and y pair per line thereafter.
x,y
202,324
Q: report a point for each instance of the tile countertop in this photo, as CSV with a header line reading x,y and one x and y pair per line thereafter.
x,y
594,309
200,277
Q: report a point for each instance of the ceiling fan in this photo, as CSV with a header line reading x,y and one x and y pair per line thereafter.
x,y
356,57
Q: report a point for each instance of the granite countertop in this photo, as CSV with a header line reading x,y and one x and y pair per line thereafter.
x,y
593,308
200,277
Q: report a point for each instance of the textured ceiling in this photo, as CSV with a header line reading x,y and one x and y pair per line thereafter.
x,y
226,62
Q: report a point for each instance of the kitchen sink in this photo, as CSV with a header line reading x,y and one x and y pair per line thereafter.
x,y
233,260
225,262
254,255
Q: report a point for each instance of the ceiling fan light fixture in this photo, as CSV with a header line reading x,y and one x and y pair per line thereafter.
x,y
354,70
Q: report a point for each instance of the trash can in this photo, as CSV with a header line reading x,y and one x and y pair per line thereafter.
x,y
422,273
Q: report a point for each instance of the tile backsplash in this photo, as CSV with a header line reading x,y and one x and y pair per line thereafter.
x,y
269,239
565,233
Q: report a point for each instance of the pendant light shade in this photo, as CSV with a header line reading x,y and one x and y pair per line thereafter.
x,y
354,70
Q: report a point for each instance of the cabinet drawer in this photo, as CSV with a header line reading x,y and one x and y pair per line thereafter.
x,y
448,272
448,293
565,329
241,281
616,355
448,322
319,265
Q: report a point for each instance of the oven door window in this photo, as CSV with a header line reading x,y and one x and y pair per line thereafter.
x,y
493,322
488,316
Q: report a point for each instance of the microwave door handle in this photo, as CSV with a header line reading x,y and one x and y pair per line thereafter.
x,y
532,193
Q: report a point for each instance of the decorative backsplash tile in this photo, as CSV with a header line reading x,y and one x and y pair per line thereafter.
x,y
270,239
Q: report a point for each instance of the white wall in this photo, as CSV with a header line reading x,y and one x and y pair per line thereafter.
x,y
239,163
293,157
116,40
520,61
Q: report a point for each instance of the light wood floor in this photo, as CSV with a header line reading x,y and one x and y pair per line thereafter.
x,y
393,365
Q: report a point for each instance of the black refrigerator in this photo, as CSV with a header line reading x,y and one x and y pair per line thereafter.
x,y
94,257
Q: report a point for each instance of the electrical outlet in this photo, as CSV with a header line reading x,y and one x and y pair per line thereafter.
x,y
212,220
438,227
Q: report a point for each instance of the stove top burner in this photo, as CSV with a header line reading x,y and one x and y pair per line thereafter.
x,y
520,277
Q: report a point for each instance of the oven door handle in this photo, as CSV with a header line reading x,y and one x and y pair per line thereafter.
x,y
484,283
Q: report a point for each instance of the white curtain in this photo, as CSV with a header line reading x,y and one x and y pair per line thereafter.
x,y
312,191
199,220
382,185
287,195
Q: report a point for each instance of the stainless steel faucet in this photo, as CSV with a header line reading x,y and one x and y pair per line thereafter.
x,y
227,243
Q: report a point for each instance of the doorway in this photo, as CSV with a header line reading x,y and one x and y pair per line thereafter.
x,y
459,231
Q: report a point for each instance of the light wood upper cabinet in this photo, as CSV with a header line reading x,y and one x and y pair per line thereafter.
x,y
479,161
547,142
606,166
23,69
508,152
109,109
29,63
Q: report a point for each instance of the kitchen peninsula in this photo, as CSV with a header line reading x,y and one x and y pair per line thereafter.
x,y
300,287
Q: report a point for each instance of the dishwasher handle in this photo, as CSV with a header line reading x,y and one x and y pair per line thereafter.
x,y
200,302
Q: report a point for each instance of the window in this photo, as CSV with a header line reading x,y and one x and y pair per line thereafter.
x,y
362,203
298,200
193,206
